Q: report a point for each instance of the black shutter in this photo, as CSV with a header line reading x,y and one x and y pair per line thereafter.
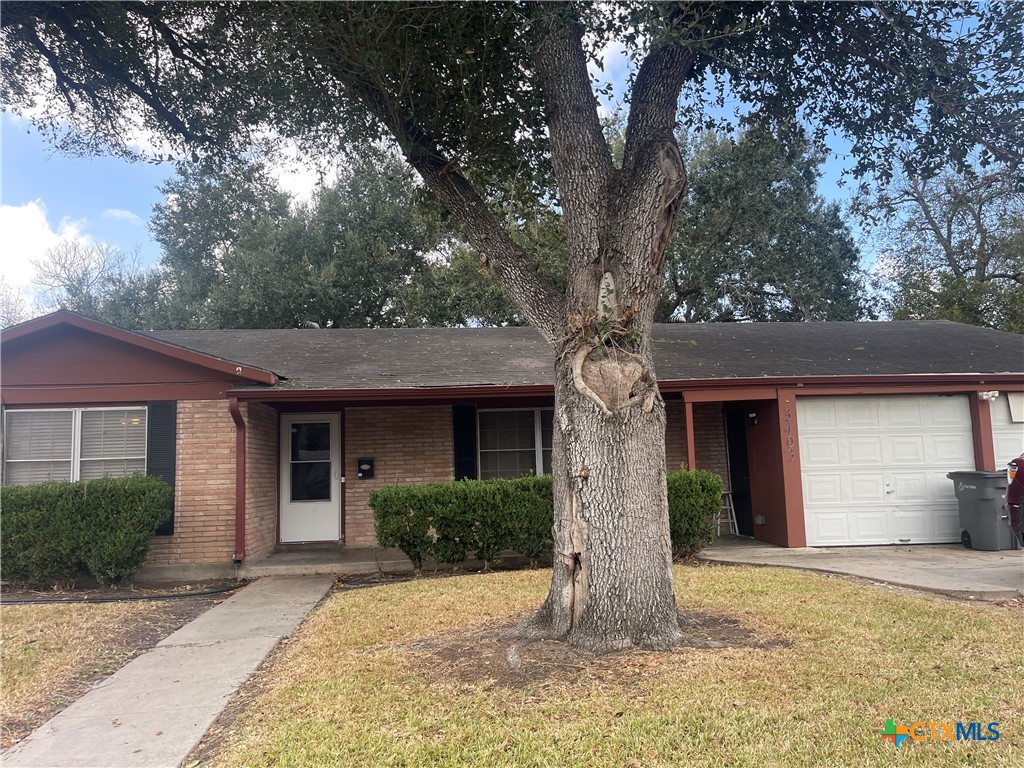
x,y
161,446
464,429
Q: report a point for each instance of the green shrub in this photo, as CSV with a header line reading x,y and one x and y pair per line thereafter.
x,y
121,514
51,530
446,521
39,533
694,501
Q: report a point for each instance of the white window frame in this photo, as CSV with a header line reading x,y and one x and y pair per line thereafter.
x,y
538,441
76,435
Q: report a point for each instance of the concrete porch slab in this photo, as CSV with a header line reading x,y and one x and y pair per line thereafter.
x,y
944,568
333,561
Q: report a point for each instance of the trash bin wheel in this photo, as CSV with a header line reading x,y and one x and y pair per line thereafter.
x,y
965,539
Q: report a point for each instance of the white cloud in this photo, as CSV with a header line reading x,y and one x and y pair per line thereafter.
x,y
123,215
27,236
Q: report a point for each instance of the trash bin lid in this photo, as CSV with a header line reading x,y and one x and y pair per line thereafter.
x,y
976,474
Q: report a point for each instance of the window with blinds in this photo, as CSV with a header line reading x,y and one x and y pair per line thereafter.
x,y
514,443
73,444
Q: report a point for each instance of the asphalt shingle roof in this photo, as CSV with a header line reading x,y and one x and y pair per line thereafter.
x,y
444,357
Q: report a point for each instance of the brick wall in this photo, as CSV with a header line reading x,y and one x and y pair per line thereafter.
x,y
408,445
675,434
262,460
204,495
709,439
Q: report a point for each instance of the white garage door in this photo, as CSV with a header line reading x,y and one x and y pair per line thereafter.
x,y
1008,434
874,468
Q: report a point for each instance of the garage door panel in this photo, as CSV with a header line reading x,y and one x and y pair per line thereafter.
x,y
903,413
949,412
831,528
1007,434
866,488
946,522
909,487
858,414
870,526
911,524
906,450
911,441
865,450
952,449
824,489
819,413
821,452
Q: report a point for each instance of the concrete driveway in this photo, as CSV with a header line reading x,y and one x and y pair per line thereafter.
x,y
945,568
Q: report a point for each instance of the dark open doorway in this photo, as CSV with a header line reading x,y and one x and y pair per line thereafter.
x,y
739,466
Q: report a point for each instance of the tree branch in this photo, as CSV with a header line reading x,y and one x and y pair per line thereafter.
x,y
580,155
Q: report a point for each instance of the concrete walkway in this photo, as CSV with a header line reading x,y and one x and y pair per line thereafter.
x,y
153,711
945,568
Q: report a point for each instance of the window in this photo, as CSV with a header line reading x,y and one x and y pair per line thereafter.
x,y
73,444
514,443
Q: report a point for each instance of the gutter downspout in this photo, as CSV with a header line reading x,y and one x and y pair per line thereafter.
x,y
236,414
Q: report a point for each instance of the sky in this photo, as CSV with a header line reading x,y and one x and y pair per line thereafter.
x,y
47,196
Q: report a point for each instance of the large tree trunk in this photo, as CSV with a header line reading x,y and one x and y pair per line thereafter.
x,y
611,585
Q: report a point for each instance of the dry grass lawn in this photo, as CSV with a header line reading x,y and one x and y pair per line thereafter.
x,y
51,654
386,677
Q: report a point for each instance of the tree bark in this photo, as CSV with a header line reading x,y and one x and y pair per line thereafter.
x,y
611,585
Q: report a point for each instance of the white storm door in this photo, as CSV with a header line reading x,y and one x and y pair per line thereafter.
x,y
311,482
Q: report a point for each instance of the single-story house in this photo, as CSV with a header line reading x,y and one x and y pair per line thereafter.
x,y
827,434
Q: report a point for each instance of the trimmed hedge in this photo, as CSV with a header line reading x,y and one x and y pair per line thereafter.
x,y
694,502
52,531
446,521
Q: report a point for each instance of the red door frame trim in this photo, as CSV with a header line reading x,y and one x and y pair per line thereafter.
x,y
981,431
789,437
691,443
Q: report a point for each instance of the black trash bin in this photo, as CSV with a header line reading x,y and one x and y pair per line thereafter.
x,y
984,517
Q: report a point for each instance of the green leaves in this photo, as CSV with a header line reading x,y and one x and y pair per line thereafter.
x,y
52,530
446,521
951,247
754,240
236,255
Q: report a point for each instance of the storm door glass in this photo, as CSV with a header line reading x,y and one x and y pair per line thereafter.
x,y
311,461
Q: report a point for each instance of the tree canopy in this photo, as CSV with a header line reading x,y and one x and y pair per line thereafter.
x,y
754,240
493,105
951,247
237,254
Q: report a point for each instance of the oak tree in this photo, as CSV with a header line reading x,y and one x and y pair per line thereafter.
x,y
238,253
951,247
493,102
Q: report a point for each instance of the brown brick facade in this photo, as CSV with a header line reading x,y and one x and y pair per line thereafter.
x,y
204,494
709,439
408,445
262,461
675,435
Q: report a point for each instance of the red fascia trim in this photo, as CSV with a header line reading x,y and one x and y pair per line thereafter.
x,y
236,415
406,393
66,317
1006,381
701,390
